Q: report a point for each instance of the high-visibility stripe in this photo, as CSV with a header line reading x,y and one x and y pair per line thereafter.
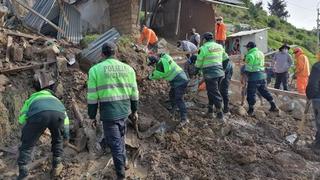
x,y
134,98
111,86
112,98
92,101
212,64
213,58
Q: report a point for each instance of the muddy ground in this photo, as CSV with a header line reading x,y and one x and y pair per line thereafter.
x,y
243,148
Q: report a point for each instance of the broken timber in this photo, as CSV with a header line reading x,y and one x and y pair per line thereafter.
x,y
23,68
276,91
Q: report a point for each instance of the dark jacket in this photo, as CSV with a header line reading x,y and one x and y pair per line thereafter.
x,y
313,88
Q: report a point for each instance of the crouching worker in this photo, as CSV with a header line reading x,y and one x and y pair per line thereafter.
x,y
166,68
41,111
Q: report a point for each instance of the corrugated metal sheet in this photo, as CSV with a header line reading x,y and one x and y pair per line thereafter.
x,y
70,23
42,7
246,33
232,2
93,52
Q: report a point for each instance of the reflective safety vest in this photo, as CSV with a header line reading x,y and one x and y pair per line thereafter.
x,y
41,101
111,80
211,54
166,68
254,60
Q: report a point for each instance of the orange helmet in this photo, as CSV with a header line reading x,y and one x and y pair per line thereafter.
x,y
297,50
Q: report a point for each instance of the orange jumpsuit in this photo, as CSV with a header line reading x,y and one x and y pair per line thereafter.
x,y
302,71
149,36
221,32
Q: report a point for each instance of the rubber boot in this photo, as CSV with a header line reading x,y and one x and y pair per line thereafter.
x,y
23,172
57,166
250,111
121,175
226,109
220,116
273,107
209,114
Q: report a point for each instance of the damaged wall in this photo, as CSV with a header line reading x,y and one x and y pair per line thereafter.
x,y
95,16
124,14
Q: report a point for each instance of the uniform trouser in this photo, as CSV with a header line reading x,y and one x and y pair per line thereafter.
x,y
35,126
114,132
224,87
302,83
252,88
213,92
176,98
282,78
316,110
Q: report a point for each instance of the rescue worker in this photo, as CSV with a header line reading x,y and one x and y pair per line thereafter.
x,y
256,78
149,37
302,70
209,62
191,49
282,61
166,68
195,37
225,83
220,31
40,111
313,94
113,88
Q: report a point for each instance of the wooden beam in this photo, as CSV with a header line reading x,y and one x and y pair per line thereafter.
x,y
222,3
38,14
23,68
276,91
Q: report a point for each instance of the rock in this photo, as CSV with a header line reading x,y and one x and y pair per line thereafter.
x,y
175,137
3,82
2,167
290,160
260,114
16,53
59,90
187,154
240,110
298,114
9,174
62,63
28,52
244,154
291,106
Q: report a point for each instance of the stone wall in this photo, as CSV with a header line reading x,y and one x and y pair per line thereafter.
x,y
123,15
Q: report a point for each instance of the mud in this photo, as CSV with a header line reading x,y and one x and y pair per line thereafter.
x,y
243,148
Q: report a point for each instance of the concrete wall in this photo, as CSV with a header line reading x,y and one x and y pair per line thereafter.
x,y
123,15
261,40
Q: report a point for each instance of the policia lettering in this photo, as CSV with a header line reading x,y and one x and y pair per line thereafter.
x,y
115,71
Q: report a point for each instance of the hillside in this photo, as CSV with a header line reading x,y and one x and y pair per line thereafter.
x,y
280,31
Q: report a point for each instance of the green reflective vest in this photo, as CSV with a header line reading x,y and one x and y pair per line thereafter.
x,y
111,80
41,101
211,54
254,60
166,68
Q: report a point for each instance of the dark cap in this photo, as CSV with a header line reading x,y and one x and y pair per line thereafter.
x,y
109,48
207,36
284,46
251,45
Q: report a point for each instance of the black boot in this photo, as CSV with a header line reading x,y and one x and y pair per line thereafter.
x,y
273,107
226,109
220,116
209,114
250,111
23,172
121,175
56,166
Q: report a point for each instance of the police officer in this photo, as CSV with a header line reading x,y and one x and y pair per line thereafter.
x,y
225,83
113,88
209,61
41,111
256,78
166,68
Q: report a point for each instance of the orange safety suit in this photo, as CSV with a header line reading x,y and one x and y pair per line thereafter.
x,y
149,36
302,70
221,32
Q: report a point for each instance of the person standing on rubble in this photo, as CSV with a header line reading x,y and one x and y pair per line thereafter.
x,y
220,31
302,70
40,111
150,38
112,87
166,68
191,49
282,61
256,78
195,37
225,83
209,62
313,94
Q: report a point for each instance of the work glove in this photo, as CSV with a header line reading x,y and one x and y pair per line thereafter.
x,y
134,116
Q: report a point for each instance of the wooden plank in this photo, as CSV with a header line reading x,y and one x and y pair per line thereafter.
x,y
42,17
276,91
23,68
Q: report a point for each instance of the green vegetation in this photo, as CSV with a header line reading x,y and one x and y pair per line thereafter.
x,y
88,39
280,30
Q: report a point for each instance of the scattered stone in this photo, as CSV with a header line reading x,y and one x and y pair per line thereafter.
x,y
2,167
16,53
291,138
260,114
62,63
290,160
240,110
59,90
244,154
28,52
175,137
187,154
